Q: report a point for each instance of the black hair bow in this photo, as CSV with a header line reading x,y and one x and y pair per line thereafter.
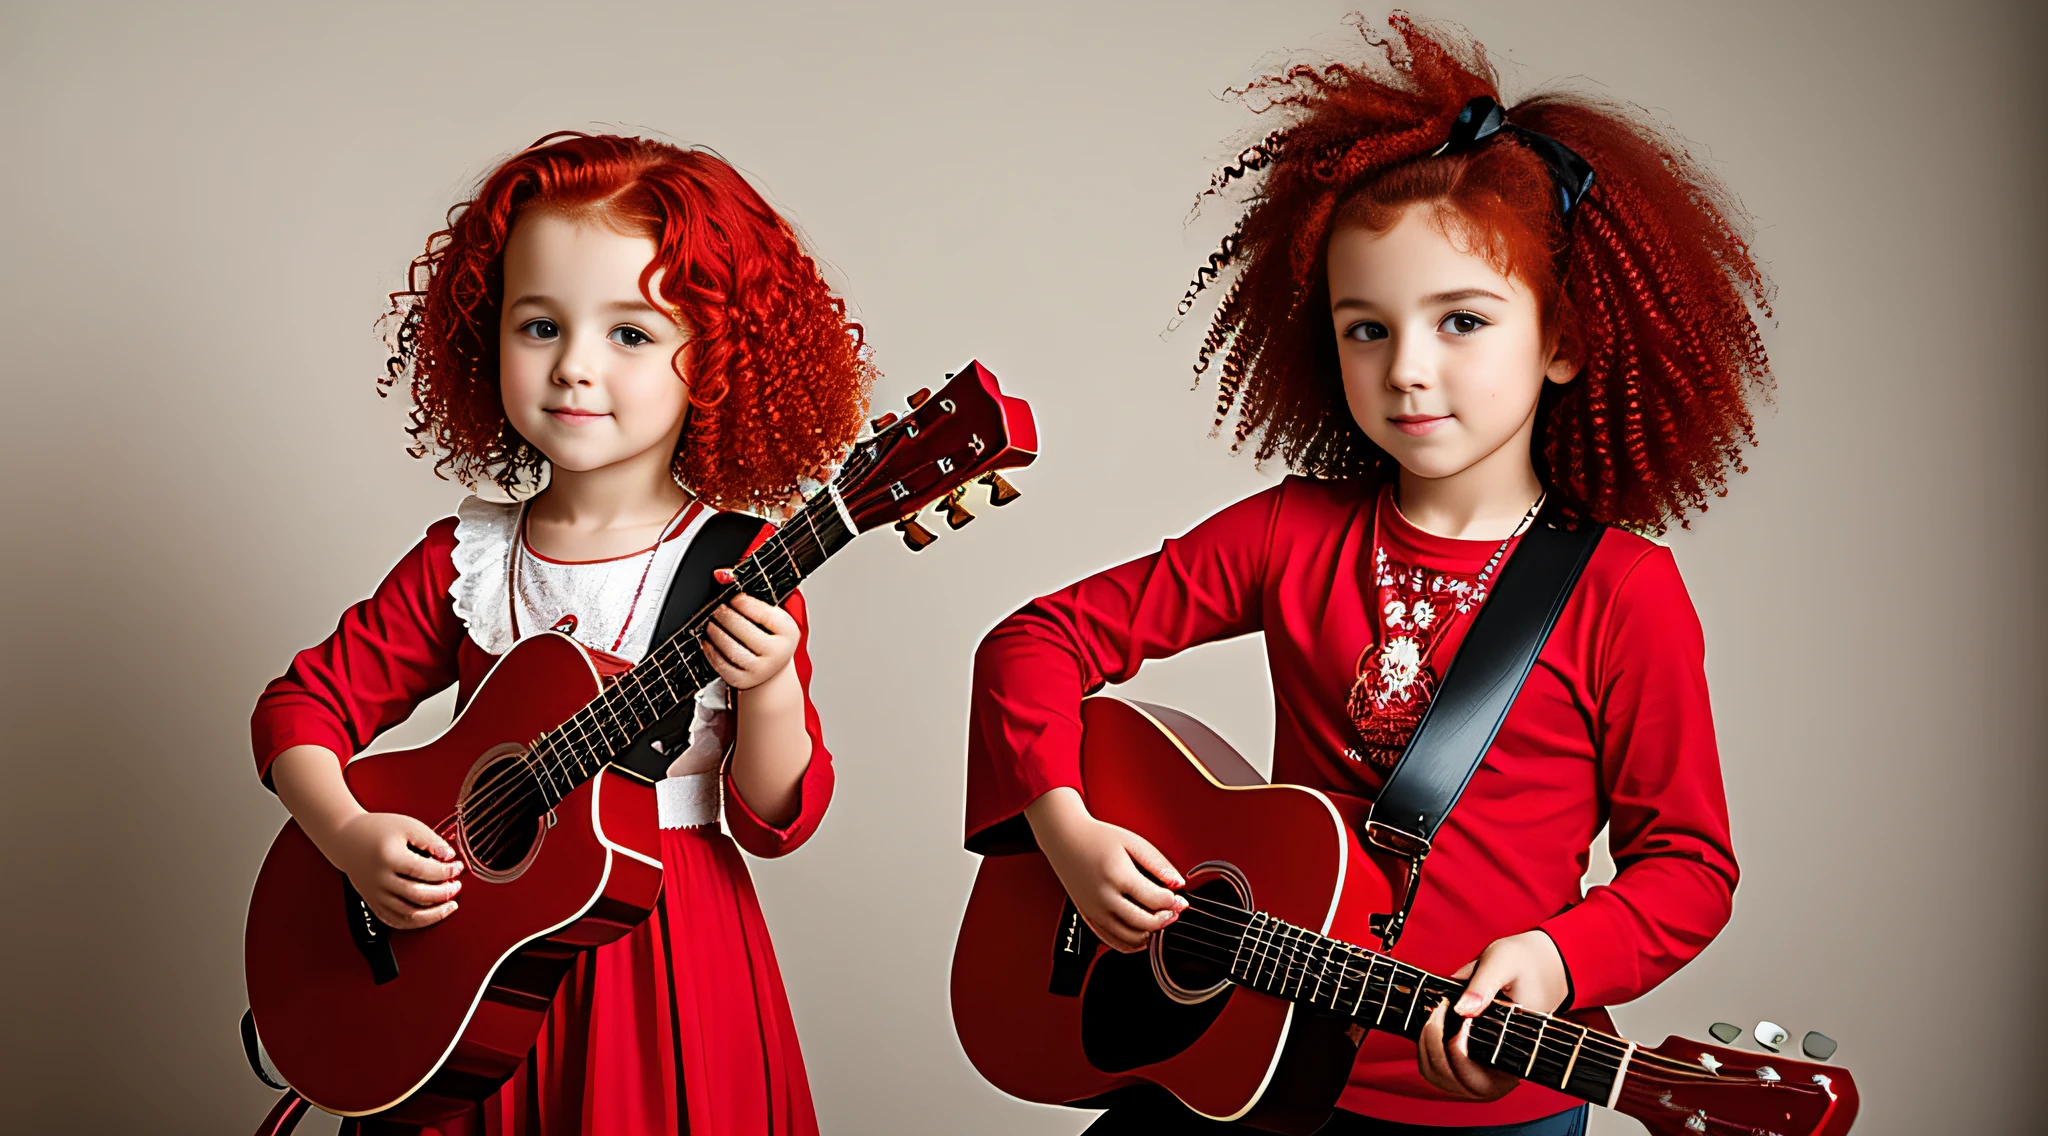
x,y
1482,118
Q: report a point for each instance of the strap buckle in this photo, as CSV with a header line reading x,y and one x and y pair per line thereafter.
x,y
1412,848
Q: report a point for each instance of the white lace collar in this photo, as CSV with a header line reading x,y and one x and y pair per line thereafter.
x,y
486,539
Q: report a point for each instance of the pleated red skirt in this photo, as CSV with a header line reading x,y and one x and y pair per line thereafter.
x,y
681,1026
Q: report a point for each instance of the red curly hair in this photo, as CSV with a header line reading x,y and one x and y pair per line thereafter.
x,y
778,374
1648,286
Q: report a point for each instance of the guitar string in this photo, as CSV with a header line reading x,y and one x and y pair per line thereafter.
x,y
511,800
512,794
1540,1042
588,726
1298,969
499,810
1537,1038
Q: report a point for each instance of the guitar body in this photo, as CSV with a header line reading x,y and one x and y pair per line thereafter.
x,y
1232,1055
471,991
414,1026
1251,1006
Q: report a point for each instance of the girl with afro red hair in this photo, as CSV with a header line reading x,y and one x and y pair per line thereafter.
x,y
625,335
1449,317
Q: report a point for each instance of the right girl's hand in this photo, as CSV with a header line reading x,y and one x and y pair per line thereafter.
x,y
403,887
1113,875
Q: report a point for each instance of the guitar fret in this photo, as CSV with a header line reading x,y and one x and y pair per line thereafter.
x,y
1537,1048
1414,1000
1364,985
1505,1022
1386,992
1237,955
1565,1082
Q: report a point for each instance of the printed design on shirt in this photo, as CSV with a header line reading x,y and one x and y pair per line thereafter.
x,y
1394,684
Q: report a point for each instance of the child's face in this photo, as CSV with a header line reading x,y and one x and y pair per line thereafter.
x,y
1443,355
584,362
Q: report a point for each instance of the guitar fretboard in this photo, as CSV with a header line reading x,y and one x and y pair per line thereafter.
x,y
1377,991
674,671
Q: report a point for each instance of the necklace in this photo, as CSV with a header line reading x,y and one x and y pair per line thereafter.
x,y
1393,684
568,622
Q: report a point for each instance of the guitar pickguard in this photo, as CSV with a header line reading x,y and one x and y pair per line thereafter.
x,y
1128,1022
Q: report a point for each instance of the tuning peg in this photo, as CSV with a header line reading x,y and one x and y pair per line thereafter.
x,y
915,535
918,396
956,512
1725,1032
1770,1035
1817,1045
884,422
1000,492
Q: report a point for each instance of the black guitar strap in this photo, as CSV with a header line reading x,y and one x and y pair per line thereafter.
x,y
721,543
1484,677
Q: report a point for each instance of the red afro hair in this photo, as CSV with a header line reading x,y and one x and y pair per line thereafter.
x,y
1648,286
778,376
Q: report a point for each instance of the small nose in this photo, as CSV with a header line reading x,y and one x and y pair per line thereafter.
x,y
574,368
1411,367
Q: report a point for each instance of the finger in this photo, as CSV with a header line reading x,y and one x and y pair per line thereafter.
x,y
1147,857
761,612
1139,890
422,895
1134,924
408,918
1473,1077
1429,1048
1118,935
723,575
1493,970
735,652
411,865
744,630
734,676
1137,917
427,840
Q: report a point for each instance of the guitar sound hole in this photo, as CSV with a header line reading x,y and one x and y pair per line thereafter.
x,y
503,814
1192,952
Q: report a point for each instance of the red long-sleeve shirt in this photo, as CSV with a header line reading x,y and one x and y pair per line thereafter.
x,y
1612,727
405,644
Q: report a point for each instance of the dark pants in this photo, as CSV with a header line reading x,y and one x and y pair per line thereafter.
x,y
1166,1116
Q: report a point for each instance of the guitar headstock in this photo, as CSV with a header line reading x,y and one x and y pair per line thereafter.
x,y
965,432
1685,1087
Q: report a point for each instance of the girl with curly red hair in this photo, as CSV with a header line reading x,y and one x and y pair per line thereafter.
x,y
1446,316
626,334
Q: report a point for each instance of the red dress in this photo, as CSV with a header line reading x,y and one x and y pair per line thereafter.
x,y
1612,728
682,1025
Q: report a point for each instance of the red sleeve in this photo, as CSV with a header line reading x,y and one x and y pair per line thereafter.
x,y
1668,816
389,653
1030,673
814,792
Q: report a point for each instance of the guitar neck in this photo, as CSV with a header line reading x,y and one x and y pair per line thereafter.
x,y
675,670
1379,992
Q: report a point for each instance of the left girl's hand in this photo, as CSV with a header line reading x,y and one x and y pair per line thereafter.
x,y
749,640
1526,968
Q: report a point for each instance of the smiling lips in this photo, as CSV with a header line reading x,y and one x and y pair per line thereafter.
x,y
1418,424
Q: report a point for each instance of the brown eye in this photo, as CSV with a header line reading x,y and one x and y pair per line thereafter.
x,y
630,336
1461,323
1366,331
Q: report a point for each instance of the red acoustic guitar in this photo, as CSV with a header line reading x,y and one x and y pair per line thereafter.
x,y
1251,1006
560,843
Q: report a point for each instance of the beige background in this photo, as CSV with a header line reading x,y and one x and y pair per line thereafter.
x,y
204,205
